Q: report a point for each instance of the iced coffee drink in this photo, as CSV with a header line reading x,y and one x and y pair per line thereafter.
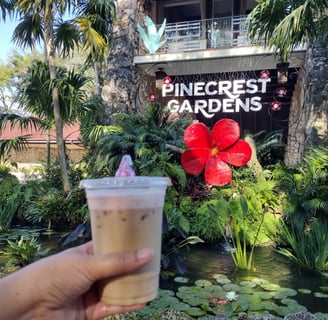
x,y
126,215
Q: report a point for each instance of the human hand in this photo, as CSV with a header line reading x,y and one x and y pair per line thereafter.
x,y
62,286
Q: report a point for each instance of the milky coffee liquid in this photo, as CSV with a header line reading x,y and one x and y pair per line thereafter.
x,y
125,222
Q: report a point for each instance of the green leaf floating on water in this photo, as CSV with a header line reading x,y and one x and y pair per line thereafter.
x,y
221,278
263,294
231,287
320,295
304,291
196,312
283,293
248,284
181,279
270,286
203,283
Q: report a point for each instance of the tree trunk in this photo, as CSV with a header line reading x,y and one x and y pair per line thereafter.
x,y
316,130
308,118
50,51
119,91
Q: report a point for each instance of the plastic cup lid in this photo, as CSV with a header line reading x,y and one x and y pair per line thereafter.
x,y
125,182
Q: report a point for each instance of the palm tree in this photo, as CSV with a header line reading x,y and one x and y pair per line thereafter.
x,y
35,98
5,5
42,22
283,25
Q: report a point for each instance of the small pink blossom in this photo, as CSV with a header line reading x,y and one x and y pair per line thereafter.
x,y
265,74
152,97
281,92
276,105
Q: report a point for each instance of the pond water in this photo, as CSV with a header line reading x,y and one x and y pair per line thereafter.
x,y
204,261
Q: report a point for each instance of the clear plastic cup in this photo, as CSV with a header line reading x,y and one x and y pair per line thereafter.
x,y
126,215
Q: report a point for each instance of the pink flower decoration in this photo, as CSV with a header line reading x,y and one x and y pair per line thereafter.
x,y
275,105
281,92
167,80
214,151
152,97
265,74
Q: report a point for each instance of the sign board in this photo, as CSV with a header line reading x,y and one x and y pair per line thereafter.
x,y
255,99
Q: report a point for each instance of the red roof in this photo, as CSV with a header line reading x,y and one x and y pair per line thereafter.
x,y
71,134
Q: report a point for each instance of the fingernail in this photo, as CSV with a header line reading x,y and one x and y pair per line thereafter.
x,y
144,253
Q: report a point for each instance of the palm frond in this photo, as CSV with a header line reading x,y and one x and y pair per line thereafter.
x,y
67,37
14,120
17,145
29,31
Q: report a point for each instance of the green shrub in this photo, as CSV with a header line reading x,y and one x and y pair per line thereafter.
x,y
58,210
306,188
22,252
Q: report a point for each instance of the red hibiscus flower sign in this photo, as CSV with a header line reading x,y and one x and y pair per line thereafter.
x,y
214,151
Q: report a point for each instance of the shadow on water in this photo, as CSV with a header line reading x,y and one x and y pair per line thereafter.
x,y
204,261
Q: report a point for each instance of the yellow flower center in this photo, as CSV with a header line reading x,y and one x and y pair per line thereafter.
x,y
214,151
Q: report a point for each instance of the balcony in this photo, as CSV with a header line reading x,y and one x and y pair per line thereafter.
x,y
203,34
202,46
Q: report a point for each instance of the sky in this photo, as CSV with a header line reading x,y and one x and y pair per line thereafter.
x,y
6,31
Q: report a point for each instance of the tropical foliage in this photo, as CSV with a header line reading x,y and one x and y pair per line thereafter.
x,y
22,252
306,188
89,28
305,223
283,25
153,141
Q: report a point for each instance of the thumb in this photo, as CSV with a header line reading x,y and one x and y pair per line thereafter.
x,y
114,264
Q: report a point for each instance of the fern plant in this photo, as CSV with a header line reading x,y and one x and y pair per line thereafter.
x,y
306,187
151,139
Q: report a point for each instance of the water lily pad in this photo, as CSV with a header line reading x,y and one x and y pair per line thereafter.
x,y
184,289
204,294
250,298
256,280
195,312
181,306
246,290
248,284
288,301
203,283
240,306
269,305
195,301
181,279
283,293
223,280
270,286
321,316
183,295
163,293
304,291
219,276
320,295
289,309
231,287
256,306
324,288
263,294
